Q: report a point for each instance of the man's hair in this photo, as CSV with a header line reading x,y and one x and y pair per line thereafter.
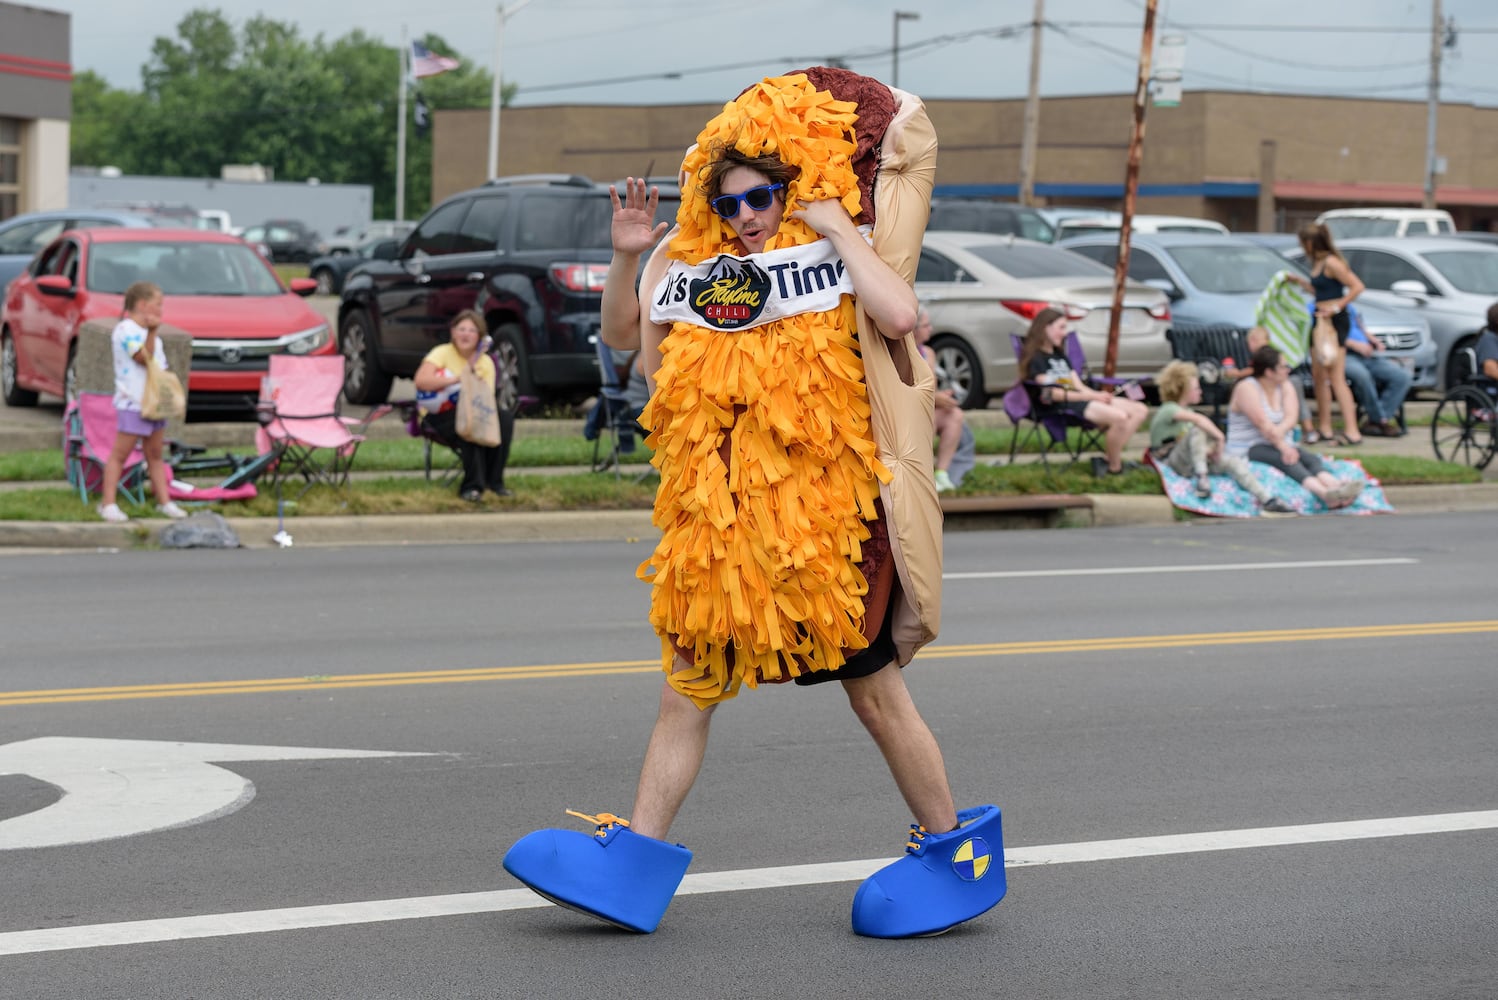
x,y
139,292
725,158
1493,317
1174,380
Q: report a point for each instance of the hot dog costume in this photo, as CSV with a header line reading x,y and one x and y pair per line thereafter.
x,y
793,440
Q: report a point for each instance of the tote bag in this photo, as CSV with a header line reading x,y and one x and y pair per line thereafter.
x,y
478,415
163,398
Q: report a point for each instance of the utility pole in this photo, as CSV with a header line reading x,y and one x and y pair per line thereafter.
x,y
1131,185
1032,112
894,52
1433,103
501,14
400,131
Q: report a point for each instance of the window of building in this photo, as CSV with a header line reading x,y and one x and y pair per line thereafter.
x,y
10,167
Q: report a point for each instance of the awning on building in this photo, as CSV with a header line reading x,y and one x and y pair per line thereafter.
x,y
1381,194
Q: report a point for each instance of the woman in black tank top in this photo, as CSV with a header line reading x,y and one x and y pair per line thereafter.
x,y
1334,285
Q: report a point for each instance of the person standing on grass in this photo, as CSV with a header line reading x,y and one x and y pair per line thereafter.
x,y
133,341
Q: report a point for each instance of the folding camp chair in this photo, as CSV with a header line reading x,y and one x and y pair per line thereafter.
x,y
613,417
300,421
88,438
1042,430
1213,348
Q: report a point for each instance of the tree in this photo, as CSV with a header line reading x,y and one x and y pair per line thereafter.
x,y
212,95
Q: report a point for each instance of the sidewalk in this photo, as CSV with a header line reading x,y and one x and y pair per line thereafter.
x,y
35,428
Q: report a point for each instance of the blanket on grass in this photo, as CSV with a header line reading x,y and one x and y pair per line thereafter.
x,y
1228,499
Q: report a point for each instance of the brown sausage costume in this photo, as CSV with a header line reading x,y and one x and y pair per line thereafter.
x,y
795,458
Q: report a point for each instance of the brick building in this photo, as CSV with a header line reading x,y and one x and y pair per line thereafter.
x,y
36,104
1220,155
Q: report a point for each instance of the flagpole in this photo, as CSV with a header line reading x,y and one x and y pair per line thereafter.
x,y
500,13
400,133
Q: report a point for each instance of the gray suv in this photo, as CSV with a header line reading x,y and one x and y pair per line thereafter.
x,y
530,253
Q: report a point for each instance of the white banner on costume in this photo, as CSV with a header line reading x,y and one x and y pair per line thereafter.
x,y
736,293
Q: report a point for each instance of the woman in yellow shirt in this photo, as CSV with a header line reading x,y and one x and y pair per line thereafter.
x,y
437,382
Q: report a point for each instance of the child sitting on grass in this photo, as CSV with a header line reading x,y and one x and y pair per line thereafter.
x,y
1192,445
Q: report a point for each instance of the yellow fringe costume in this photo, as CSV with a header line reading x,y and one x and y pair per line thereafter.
x,y
756,571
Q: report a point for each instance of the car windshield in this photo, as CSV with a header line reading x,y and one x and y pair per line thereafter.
x,y
1355,228
1037,262
181,268
1468,270
574,223
1229,269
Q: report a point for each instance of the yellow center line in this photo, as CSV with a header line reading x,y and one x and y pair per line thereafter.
x,y
611,667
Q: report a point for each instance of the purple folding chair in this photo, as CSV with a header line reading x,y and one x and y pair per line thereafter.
x,y
1042,429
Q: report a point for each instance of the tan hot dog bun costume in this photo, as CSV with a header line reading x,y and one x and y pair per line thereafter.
x,y
792,437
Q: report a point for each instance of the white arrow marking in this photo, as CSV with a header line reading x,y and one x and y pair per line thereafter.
x,y
497,901
119,788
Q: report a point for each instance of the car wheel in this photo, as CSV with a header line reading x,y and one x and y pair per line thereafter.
x,y
324,278
364,381
958,369
14,394
511,372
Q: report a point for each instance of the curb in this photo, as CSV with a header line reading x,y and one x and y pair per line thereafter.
x,y
1097,510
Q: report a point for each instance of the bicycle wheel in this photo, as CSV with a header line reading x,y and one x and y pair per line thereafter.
x,y
1465,428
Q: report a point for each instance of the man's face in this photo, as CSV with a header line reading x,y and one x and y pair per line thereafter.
x,y
753,228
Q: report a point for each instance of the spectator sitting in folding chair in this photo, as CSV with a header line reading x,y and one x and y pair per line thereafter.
x,y
437,382
1043,361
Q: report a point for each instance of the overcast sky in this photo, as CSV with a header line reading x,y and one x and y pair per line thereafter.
x,y
558,51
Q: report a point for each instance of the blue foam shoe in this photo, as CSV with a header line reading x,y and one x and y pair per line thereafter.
x,y
943,880
613,874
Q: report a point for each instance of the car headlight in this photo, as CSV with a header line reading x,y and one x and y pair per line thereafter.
x,y
307,341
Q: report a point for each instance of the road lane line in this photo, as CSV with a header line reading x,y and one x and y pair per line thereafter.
x,y
271,685
1020,574
209,925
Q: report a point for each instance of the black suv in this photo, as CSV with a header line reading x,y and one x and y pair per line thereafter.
x,y
530,253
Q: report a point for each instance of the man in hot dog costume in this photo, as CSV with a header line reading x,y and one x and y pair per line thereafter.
x,y
791,423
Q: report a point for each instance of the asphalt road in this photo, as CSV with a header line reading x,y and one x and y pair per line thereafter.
x,y
1338,671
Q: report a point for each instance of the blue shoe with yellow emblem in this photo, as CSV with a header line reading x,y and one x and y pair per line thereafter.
x,y
615,874
944,879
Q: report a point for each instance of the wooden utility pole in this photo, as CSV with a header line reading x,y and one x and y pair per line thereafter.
x,y
1131,184
1032,112
1433,103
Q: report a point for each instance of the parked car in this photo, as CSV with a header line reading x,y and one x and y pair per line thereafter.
x,y
331,269
980,289
215,287
1449,282
288,243
345,242
21,236
982,215
1356,223
1109,222
1217,280
1476,236
530,253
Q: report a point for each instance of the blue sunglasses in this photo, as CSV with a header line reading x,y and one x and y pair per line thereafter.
x,y
757,198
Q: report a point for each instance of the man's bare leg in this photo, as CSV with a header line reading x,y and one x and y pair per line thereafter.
x,y
883,704
672,760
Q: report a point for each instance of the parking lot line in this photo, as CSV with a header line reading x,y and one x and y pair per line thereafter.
x,y
423,907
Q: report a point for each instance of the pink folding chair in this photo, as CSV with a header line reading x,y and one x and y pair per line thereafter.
x,y
88,438
300,421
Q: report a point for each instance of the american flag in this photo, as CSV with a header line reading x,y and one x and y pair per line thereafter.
x,y
425,62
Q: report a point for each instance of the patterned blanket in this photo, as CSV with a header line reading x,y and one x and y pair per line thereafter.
x,y
1228,499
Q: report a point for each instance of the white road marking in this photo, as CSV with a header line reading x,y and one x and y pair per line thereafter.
x,y
1209,568
422,907
118,788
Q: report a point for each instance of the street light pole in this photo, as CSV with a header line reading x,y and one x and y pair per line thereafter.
x,y
894,53
501,13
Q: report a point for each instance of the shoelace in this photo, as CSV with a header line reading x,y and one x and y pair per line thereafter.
x,y
603,821
917,835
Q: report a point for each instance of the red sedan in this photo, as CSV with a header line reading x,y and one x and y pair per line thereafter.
x,y
215,286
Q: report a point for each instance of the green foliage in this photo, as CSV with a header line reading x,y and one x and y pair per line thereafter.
x,y
213,95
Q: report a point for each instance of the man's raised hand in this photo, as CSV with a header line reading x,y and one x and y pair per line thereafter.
x,y
632,230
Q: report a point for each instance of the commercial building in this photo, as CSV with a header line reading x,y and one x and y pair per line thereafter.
x,y
1250,161
36,102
